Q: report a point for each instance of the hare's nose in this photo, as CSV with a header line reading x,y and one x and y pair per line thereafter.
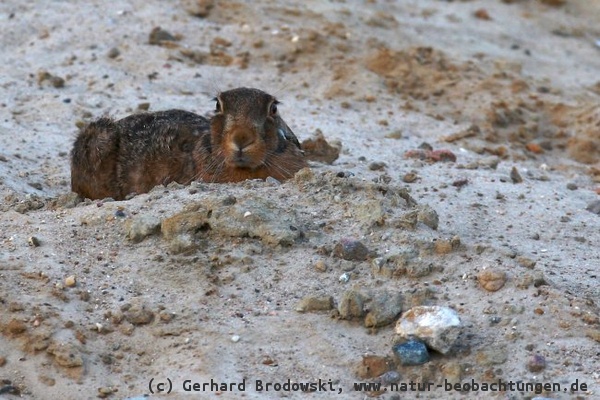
x,y
242,139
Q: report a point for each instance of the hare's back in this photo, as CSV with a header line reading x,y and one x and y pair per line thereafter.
x,y
152,126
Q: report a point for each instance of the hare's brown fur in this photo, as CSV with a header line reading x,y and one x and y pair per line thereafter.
x,y
245,139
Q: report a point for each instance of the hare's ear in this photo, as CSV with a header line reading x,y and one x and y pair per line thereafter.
x,y
285,137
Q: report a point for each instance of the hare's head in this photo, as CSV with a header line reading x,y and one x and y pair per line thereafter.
x,y
246,129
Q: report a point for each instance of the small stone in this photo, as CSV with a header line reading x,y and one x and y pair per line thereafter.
x,y
344,278
199,8
159,36
492,356
351,305
572,186
70,281
16,327
47,380
373,366
33,241
524,281
141,227
383,309
410,177
515,176
593,334
452,372
594,207
412,352
139,315
492,279
321,266
229,200
66,355
318,149
390,377
104,392
437,326
272,181
145,106
351,250
57,82
113,53
536,363
2,361
370,213
526,262
235,338
443,247
377,166
315,303
428,216
482,14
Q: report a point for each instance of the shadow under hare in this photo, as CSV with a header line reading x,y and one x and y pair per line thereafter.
x,y
245,139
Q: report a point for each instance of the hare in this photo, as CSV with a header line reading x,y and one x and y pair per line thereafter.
x,y
245,139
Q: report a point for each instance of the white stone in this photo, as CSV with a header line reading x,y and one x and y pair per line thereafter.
x,y
437,326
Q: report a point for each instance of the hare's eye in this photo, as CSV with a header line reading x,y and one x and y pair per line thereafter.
x,y
273,109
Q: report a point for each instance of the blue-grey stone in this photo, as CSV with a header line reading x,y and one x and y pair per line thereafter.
x,y
412,352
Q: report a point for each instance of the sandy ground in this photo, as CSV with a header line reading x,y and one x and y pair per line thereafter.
x,y
509,87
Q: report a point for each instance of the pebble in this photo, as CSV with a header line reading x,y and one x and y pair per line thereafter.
x,y
404,262
515,176
351,250
452,372
428,216
594,207
16,327
68,200
321,266
383,309
492,279
593,334
318,149
344,278
104,392
412,352
2,361
66,355
235,338
407,220
315,303
351,305
377,166
526,262
437,326
410,177
70,281
139,315
114,52
47,380
536,363
141,227
370,212
198,8
159,36
33,241
372,366
572,186
492,356
390,377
